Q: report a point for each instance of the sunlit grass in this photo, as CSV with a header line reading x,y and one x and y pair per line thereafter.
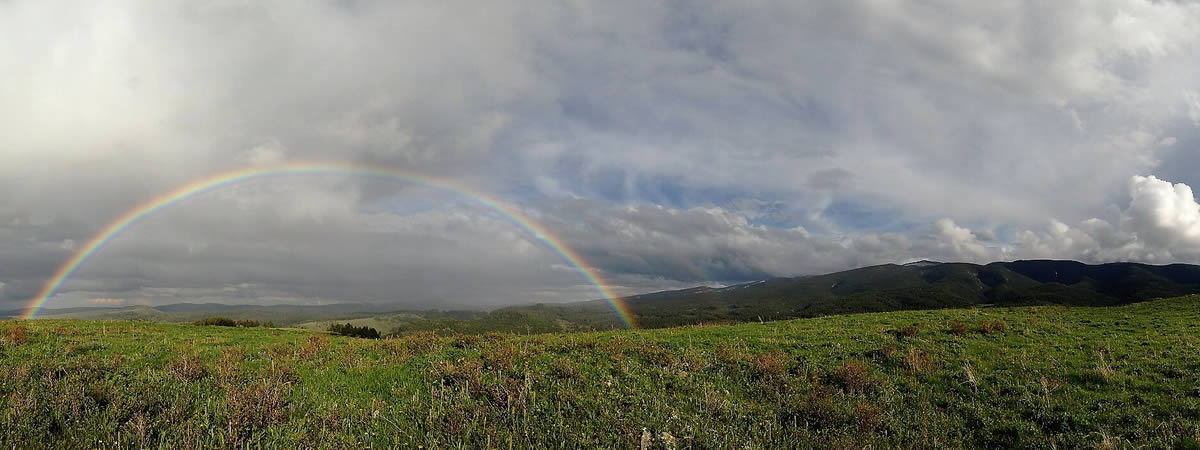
x,y
1043,377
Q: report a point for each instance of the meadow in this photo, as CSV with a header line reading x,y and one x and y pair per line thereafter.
x,y
1030,377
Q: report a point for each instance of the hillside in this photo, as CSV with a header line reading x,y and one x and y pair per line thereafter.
x,y
1045,377
190,312
923,285
891,287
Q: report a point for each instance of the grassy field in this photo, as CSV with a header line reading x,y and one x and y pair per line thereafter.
x,y
1048,377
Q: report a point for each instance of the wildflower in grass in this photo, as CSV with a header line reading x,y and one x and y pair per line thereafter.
x,y
669,441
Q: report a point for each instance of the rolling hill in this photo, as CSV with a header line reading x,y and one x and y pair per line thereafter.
x,y
892,287
889,287
189,312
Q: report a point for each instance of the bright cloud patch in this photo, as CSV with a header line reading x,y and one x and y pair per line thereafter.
x,y
1163,215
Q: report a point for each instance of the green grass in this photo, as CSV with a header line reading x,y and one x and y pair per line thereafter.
x,y
1054,377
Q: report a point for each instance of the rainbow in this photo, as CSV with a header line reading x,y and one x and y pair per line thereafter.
x,y
219,180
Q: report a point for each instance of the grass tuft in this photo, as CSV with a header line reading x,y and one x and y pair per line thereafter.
x,y
187,367
852,377
565,369
17,334
956,328
992,326
770,366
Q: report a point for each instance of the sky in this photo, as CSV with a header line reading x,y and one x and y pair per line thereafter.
x,y
669,144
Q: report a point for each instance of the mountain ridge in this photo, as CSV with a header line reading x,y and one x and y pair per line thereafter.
x,y
923,285
888,287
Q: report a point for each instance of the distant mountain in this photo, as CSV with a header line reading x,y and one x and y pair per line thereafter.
x,y
919,285
283,315
78,309
889,287
329,308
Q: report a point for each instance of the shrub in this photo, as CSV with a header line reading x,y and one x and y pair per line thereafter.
x,y
852,377
992,326
466,341
255,407
216,322
468,373
957,328
353,331
17,335
227,322
887,352
909,331
501,356
770,365
563,368
868,417
917,361
315,345
188,367
730,356
814,408
422,342
230,363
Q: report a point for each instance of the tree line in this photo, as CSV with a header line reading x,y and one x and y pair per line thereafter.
x,y
353,331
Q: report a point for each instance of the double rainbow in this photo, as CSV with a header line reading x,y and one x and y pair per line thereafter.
x,y
223,179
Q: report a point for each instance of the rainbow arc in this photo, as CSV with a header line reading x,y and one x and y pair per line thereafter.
x,y
217,181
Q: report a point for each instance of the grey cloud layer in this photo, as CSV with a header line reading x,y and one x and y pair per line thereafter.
x,y
670,143
1160,225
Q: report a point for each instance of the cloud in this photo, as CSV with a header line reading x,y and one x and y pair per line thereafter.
x,y
107,301
1192,99
926,106
670,144
959,240
1160,225
1163,215
705,244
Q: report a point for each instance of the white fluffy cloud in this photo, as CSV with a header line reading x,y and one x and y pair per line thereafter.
x,y
1163,215
1160,225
